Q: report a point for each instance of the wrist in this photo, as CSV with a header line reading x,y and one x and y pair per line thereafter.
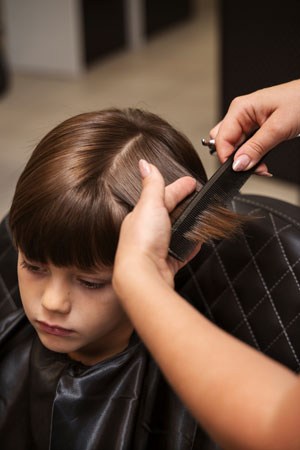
x,y
133,271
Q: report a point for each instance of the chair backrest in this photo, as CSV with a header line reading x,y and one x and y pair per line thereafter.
x,y
250,286
9,291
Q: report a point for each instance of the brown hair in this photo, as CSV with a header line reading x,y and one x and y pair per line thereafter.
x,y
82,179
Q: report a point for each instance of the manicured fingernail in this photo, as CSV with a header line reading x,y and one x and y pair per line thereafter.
x,y
241,163
266,174
145,168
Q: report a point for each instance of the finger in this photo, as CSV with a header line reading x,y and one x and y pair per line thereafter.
x,y
177,191
227,136
238,123
214,131
263,170
228,139
153,191
258,145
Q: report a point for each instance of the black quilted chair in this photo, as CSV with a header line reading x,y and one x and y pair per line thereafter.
x,y
250,286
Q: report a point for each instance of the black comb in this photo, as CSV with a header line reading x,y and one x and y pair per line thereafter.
x,y
224,184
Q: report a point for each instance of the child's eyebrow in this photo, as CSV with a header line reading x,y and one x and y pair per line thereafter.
x,y
104,276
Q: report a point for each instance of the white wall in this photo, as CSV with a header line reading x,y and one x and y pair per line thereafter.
x,y
43,36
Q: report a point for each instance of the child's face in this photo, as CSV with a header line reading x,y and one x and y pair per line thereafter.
x,y
73,312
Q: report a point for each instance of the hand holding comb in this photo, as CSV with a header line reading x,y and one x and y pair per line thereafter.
x,y
207,212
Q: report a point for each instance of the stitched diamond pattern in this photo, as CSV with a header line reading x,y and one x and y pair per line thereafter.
x,y
9,291
250,286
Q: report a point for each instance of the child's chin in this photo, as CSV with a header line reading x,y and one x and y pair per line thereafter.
x,y
55,344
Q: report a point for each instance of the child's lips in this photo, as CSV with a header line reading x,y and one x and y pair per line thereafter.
x,y
55,330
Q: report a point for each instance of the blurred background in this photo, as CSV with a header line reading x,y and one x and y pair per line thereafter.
x,y
182,59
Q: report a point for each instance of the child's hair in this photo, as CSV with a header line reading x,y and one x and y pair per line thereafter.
x,y
83,178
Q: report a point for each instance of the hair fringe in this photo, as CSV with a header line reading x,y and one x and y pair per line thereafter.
x,y
216,222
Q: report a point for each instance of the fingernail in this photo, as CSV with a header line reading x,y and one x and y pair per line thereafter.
x,y
241,163
266,174
145,168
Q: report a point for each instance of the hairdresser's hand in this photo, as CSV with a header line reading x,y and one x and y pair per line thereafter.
x,y
274,111
146,231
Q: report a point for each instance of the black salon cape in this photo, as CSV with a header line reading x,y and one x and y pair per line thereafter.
x,y
48,401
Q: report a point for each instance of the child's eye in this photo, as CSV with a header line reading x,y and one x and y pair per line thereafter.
x,y
91,284
33,267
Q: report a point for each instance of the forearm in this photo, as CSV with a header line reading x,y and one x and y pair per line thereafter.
x,y
235,392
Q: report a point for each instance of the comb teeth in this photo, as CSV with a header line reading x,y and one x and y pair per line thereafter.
x,y
219,190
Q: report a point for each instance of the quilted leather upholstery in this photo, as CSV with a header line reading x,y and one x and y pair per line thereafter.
x,y
250,286
9,290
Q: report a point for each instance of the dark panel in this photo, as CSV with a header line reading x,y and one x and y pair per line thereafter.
x,y
4,75
260,46
161,14
104,27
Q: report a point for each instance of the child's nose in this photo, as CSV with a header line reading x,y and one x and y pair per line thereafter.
x,y
56,298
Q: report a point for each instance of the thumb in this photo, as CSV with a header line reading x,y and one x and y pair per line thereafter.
x,y
262,141
153,191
